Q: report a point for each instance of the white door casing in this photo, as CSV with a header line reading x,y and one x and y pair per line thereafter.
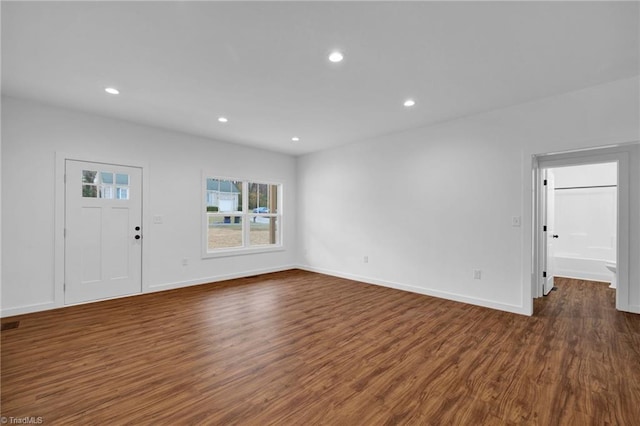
x,y
625,155
103,235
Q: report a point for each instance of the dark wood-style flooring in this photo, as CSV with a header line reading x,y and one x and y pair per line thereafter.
x,y
298,348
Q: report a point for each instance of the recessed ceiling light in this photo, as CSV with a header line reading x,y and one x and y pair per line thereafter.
x,y
222,119
112,91
409,103
295,139
336,56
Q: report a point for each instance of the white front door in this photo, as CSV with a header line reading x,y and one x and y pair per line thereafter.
x,y
103,235
550,197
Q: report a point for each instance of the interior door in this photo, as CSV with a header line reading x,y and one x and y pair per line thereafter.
x,y
549,220
103,235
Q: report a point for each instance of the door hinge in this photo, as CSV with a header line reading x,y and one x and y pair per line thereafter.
x,y
545,182
544,228
544,274
65,178
64,232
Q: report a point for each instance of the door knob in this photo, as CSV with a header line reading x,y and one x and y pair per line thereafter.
x,y
137,237
137,228
555,235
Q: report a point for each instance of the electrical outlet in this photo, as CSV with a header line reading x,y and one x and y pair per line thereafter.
x,y
366,259
477,274
157,220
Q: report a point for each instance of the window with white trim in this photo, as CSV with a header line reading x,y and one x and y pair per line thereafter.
x,y
241,215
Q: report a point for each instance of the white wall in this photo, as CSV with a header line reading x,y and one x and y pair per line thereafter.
x,y
428,206
32,134
585,220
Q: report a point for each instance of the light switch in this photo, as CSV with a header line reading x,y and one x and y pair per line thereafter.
x,y
157,220
515,221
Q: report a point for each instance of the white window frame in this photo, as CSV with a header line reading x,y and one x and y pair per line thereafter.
x,y
246,215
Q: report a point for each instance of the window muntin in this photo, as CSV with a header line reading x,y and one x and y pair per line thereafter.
x,y
241,215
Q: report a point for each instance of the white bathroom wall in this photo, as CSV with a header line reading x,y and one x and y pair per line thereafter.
x,y
430,206
33,133
585,220
586,175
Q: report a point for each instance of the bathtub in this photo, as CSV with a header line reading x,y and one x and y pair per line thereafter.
x,y
565,265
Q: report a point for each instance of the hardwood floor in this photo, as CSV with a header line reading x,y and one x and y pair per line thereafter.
x,y
296,348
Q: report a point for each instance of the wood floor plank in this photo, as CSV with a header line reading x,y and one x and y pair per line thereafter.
x,y
301,348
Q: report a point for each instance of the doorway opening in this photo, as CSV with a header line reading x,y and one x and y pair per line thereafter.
x,y
581,222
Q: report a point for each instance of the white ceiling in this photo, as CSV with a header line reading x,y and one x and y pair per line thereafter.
x,y
180,65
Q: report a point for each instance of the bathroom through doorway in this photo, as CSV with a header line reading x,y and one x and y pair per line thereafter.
x,y
581,223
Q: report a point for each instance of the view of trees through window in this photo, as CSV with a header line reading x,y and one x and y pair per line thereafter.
x,y
241,214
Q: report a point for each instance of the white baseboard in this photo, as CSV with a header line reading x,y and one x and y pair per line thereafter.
x,y
420,290
581,275
216,278
28,309
635,309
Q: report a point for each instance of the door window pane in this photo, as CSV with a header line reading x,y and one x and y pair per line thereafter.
x,y
106,191
89,180
89,176
103,185
122,193
122,179
89,191
107,177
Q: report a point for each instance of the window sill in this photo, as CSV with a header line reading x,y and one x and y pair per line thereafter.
x,y
241,251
